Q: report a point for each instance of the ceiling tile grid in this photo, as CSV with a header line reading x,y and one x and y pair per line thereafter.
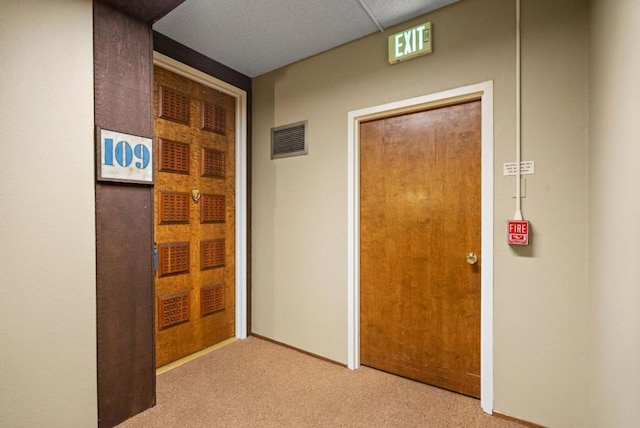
x,y
257,36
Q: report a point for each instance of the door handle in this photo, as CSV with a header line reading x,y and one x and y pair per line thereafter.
x,y
471,258
155,257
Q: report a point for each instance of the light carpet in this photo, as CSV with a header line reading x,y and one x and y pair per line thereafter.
x,y
255,383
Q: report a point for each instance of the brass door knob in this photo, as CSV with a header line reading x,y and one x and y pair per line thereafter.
x,y
472,259
195,194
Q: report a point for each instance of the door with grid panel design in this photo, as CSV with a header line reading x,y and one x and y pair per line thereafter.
x,y
194,221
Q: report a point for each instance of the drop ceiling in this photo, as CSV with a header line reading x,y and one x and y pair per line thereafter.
x,y
257,36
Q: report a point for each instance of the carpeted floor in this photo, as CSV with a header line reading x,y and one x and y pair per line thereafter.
x,y
255,383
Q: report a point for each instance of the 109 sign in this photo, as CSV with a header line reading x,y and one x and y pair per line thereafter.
x,y
125,157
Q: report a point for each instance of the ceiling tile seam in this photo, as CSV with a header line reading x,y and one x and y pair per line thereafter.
x,y
371,15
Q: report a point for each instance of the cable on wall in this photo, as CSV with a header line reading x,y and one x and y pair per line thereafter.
x,y
518,214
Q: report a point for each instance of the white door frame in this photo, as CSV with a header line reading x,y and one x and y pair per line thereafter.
x,y
241,176
484,92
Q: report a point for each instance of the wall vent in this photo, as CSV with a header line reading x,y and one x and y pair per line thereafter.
x,y
289,140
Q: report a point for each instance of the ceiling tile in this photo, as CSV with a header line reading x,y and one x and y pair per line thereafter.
x,y
254,37
391,13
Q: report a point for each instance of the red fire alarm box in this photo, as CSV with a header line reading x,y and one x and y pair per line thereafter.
x,y
518,232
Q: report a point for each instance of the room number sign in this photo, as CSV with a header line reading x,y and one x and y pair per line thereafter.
x,y
124,157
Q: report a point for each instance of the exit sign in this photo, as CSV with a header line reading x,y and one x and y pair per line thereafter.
x,y
518,232
410,43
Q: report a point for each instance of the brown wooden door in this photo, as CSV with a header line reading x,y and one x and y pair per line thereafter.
x,y
194,220
419,217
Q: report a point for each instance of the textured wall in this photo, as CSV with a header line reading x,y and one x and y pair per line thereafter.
x,y
300,204
614,202
47,244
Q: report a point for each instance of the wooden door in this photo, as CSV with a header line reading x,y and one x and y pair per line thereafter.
x,y
419,217
194,220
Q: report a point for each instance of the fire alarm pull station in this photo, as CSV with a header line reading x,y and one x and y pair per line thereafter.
x,y
518,232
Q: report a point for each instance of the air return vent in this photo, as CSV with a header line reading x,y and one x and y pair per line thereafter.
x,y
289,140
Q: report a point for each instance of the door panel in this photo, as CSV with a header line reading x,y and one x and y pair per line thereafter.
x,y
194,218
419,217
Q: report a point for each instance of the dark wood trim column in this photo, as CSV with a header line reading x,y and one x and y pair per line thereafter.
x,y
124,215
123,78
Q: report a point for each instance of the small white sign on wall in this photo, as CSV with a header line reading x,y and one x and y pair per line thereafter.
x,y
526,168
125,157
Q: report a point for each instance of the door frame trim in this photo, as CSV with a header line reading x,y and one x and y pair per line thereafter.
x,y
481,91
241,177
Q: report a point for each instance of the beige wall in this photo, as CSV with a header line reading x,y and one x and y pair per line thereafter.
x,y
299,227
541,294
614,207
47,244
299,269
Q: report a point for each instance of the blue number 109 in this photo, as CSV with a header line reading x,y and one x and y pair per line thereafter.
x,y
124,154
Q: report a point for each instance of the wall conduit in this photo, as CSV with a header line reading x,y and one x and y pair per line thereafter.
x,y
518,213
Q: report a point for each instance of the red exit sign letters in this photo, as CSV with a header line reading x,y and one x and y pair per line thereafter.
x,y
518,232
